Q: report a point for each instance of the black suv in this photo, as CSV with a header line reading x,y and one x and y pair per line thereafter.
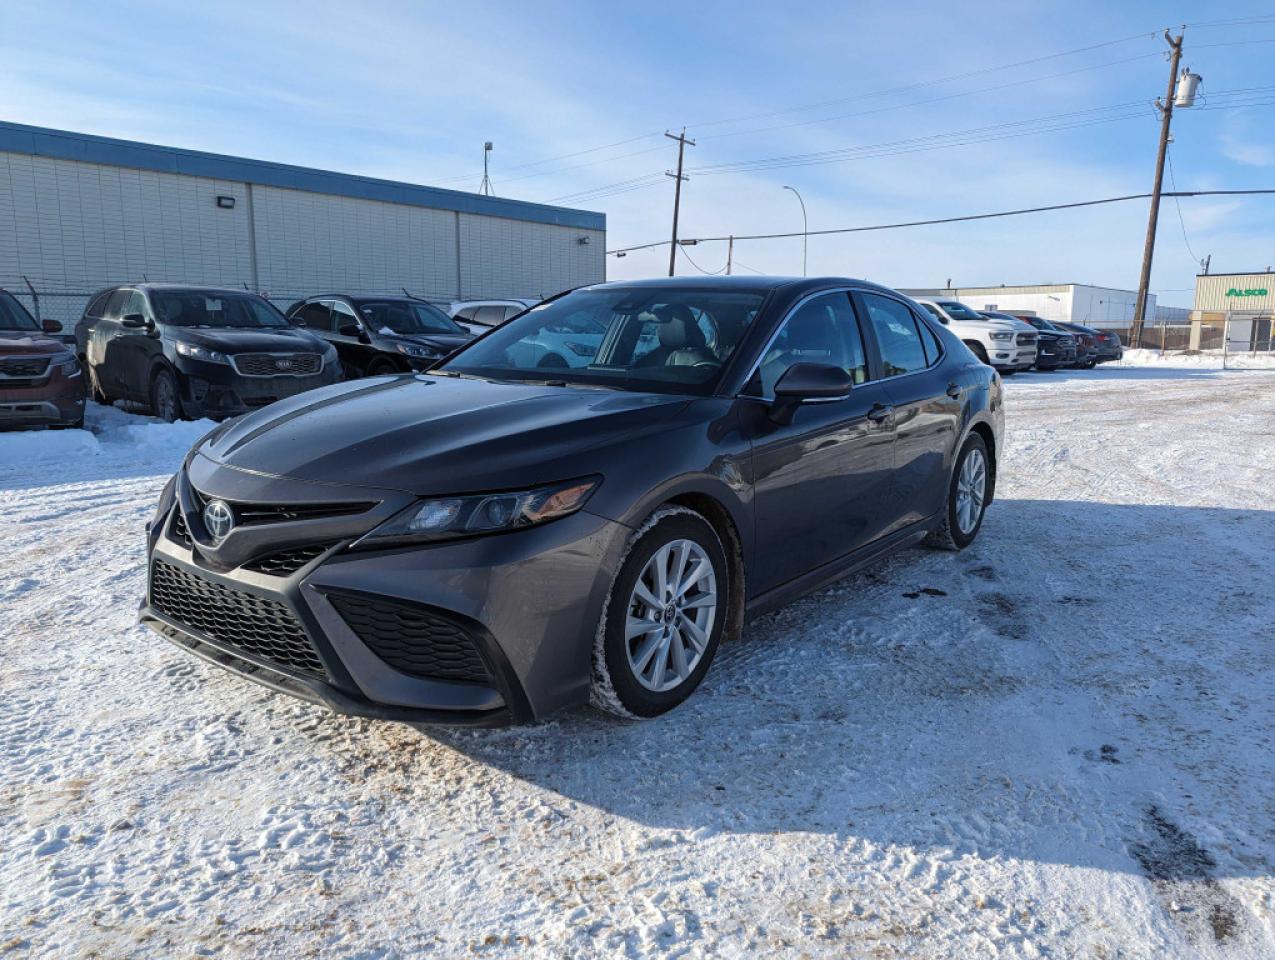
x,y
191,352
380,335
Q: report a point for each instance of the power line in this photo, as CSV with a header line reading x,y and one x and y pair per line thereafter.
x,y
711,273
961,219
1177,202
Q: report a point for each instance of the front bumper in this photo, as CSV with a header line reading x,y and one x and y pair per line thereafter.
x,y
53,399
528,602
1012,356
217,390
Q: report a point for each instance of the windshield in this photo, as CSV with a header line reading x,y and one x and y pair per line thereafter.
x,y
662,340
193,308
958,311
14,316
406,317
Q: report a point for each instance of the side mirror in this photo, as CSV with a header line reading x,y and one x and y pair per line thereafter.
x,y
803,382
296,320
50,326
133,320
350,330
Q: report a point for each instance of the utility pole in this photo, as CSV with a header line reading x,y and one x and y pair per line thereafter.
x,y
1148,250
730,252
485,187
677,193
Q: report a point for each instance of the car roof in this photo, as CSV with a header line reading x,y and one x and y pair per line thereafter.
x,y
750,284
189,287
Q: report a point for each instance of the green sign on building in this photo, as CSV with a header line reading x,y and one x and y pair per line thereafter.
x,y
1236,292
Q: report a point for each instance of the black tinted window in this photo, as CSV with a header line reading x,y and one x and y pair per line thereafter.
x,y
13,315
821,330
97,304
933,349
197,308
897,335
316,316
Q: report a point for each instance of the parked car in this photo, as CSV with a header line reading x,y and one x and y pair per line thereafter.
x,y
40,380
1086,343
477,316
997,343
380,335
1097,345
487,544
191,352
1054,348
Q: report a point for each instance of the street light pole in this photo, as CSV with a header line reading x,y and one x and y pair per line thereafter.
x,y
805,228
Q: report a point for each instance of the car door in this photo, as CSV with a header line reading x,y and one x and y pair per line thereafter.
x,y
133,347
316,316
927,405
356,346
104,353
822,482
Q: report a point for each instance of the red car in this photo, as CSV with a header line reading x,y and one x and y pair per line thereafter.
x,y
40,379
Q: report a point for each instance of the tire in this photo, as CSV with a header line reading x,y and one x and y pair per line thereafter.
x,y
1008,372
382,368
165,398
552,361
655,670
958,529
977,349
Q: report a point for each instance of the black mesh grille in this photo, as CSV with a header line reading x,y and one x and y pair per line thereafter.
x,y
286,561
179,531
24,366
277,365
246,513
411,639
241,620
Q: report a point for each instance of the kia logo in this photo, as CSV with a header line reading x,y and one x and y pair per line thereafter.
x,y
219,519
283,364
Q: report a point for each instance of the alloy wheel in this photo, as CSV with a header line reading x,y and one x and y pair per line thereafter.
x,y
971,490
670,615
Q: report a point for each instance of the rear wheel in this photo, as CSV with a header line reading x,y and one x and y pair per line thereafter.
x,y
165,401
382,368
552,361
966,497
664,618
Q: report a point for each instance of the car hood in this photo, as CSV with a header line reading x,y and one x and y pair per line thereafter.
x,y
239,339
434,435
16,343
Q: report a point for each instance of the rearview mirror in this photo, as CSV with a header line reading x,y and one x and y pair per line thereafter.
x,y
803,382
50,326
133,320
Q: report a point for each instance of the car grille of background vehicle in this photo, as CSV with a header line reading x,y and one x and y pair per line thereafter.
x,y
242,621
277,364
32,367
411,639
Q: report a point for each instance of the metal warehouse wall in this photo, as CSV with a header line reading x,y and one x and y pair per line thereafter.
x,y
1241,292
73,226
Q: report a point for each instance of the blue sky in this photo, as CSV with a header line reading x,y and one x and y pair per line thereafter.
x,y
411,90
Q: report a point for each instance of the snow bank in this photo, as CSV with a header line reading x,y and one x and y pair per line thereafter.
x,y
1206,359
108,431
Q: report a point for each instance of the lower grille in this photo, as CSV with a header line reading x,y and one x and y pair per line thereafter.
x,y
286,562
411,639
265,628
179,531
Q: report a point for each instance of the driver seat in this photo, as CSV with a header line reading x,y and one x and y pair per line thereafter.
x,y
682,342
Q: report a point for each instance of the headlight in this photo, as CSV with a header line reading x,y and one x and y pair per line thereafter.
x,y
445,518
1002,336
67,365
415,350
196,352
329,353
582,349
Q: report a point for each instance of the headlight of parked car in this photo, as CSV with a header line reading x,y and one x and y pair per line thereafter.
x,y
416,350
329,353
445,518
1009,335
67,365
582,349
196,352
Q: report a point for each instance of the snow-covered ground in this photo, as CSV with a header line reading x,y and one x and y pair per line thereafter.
x,y
1057,743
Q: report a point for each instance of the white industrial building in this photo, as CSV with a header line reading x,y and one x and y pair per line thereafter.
x,y
80,212
1101,307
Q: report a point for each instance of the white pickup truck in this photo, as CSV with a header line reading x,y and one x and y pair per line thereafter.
x,y
998,343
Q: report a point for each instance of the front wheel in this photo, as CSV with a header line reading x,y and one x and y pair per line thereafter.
x,y
664,617
165,401
966,497
977,349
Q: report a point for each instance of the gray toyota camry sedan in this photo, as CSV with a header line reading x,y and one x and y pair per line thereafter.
x,y
499,537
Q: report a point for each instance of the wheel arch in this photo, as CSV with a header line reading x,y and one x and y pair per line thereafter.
x,y
723,523
988,435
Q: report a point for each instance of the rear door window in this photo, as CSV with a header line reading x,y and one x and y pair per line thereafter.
x,y
490,316
897,335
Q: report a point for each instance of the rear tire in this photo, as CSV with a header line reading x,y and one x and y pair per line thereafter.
x,y
552,361
967,495
382,368
673,581
165,398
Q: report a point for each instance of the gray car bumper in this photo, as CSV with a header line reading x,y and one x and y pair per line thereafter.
x,y
527,602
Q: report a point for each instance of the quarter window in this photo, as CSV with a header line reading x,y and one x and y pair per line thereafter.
x,y
933,349
490,316
822,330
897,335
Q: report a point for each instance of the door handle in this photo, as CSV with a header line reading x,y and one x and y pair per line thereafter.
x,y
880,412
954,390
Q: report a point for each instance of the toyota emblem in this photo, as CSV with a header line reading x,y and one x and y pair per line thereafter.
x,y
219,519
